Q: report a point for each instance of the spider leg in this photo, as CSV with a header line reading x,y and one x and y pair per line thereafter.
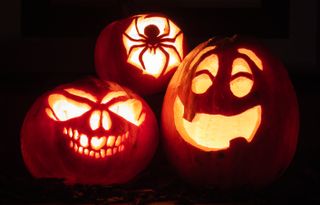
x,y
165,34
140,57
137,29
133,39
135,46
167,59
171,39
173,47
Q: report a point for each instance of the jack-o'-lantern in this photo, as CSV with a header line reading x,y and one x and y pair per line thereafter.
x,y
141,52
89,132
230,115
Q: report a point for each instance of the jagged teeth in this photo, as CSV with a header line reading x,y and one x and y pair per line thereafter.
x,y
80,143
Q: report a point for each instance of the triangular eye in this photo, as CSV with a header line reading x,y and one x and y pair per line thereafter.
x,y
130,110
63,108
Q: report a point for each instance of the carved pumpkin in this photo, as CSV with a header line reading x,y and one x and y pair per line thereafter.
x,y
90,132
141,52
230,116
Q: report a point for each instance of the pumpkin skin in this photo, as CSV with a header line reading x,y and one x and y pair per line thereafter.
x,y
141,52
225,155
68,134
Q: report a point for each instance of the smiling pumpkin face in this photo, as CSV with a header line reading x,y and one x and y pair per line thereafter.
x,y
208,127
89,132
230,106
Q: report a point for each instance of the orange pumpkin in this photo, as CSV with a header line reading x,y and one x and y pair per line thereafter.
x,y
141,52
230,115
89,132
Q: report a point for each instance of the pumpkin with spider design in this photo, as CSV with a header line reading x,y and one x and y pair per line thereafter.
x,y
141,52
89,132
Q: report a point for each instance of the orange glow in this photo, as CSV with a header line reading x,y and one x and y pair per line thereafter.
x,y
200,54
109,152
110,141
214,132
240,65
201,84
106,121
210,63
130,110
121,148
95,119
50,114
153,55
81,93
118,141
103,153
252,56
241,86
97,143
84,140
112,95
65,108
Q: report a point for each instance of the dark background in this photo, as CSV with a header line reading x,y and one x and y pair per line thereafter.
x,y
48,42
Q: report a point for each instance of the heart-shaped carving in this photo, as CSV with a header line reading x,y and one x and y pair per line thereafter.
x,y
97,143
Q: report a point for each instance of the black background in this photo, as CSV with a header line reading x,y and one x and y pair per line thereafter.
x,y
49,42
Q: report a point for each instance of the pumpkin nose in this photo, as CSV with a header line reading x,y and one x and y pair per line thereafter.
x,y
99,118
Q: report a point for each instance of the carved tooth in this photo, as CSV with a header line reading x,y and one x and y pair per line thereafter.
x,y
97,143
127,135
103,153
91,153
118,141
121,148
75,147
109,152
115,150
70,132
80,150
75,134
122,138
65,131
71,144
110,141
84,140
97,155
86,151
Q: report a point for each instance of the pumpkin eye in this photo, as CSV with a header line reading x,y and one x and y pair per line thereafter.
x,y
241,84
129,110
63,108
201,83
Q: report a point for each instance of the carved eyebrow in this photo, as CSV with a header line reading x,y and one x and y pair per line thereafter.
x,y
200,54
112,95
252,56
240,65
81,93
210,63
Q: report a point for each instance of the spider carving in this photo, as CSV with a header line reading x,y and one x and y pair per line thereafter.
x,y
153,44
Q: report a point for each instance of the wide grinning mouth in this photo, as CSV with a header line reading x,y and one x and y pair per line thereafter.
x,y
95,146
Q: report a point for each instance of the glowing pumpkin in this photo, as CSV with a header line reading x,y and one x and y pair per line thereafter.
x,y
141,52
90,132
230,116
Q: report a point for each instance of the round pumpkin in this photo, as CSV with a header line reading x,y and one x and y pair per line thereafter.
x,y
230,115
89,132
141,52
